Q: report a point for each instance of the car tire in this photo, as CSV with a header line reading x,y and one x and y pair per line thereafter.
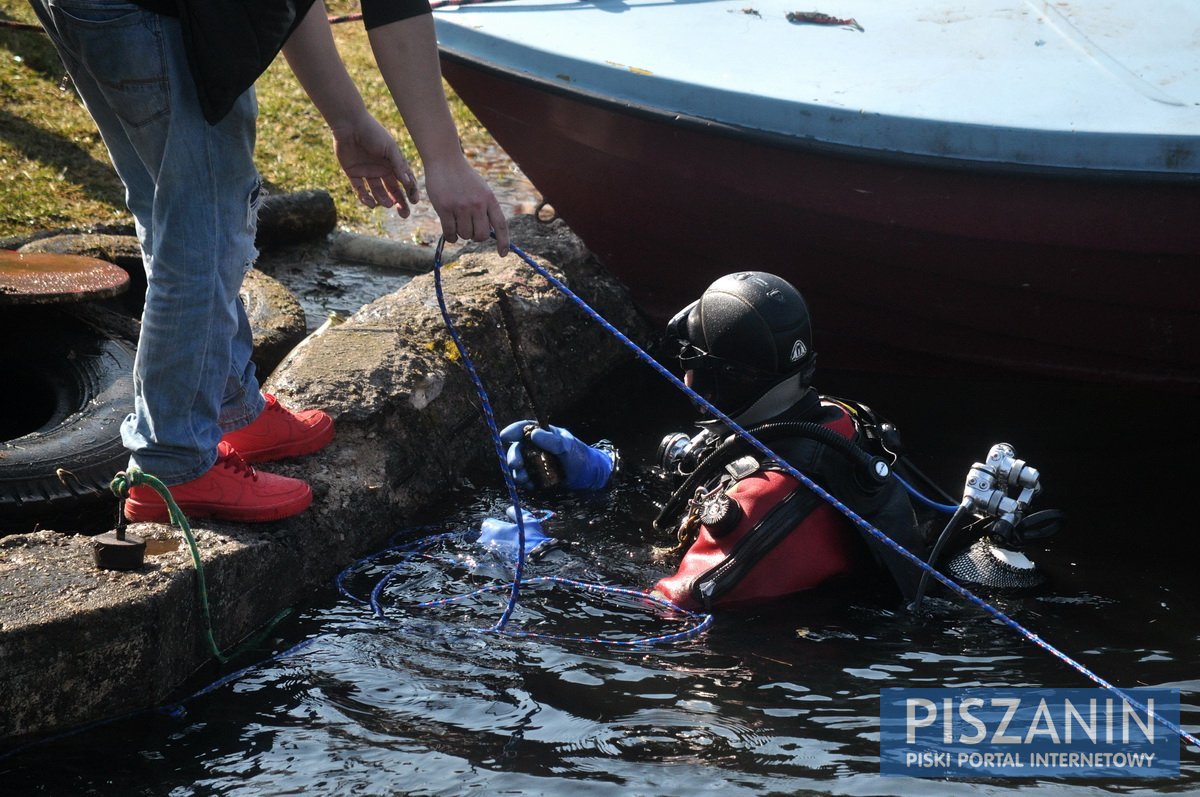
x,y
68,375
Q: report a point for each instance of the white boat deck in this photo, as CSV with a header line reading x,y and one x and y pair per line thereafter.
x,y
1099,86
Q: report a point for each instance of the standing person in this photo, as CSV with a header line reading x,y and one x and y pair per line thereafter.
x,y
169,84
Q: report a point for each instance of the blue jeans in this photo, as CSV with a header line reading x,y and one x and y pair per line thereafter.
x,y
193,190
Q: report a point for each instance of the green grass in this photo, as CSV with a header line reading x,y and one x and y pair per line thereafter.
x,y
54,170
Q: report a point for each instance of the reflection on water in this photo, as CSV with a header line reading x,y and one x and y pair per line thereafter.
x,y
774,700
325,287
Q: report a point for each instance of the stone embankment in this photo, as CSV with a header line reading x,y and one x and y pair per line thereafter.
x,y
78,644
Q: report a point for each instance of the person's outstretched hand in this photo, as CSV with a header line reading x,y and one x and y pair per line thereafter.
x,y
377,168
466,206
584,467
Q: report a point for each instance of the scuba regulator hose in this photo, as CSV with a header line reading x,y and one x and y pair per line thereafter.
x,y
955,521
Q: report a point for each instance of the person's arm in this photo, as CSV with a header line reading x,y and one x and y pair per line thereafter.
x,y
365,149
407,55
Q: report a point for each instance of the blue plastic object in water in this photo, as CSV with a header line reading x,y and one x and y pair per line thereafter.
x,y
503,536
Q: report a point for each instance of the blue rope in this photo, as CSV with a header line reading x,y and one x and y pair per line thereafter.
x,y
704,620
963,592
518,580
377,593
490,417
340,581
414,550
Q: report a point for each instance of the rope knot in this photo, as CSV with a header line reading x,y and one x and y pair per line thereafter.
x,y
124,481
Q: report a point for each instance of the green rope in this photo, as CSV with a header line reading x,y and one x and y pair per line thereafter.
x,y
120,487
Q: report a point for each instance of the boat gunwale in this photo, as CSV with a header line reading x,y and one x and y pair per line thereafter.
x,y
949,163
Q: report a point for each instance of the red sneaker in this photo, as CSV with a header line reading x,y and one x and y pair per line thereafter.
x,y
231,490
279,432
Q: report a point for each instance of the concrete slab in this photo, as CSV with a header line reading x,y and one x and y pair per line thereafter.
x,y
77,644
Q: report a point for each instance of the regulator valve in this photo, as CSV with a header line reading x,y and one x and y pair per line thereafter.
x,y
1002,488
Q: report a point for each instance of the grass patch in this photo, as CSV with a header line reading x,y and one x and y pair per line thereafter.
x,y
55,172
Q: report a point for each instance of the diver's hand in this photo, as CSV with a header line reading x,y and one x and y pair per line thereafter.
x,y
503,535
584,467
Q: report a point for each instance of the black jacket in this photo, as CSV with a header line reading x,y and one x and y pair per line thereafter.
x,y
230,43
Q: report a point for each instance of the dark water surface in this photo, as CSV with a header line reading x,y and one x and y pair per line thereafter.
x,y
776,700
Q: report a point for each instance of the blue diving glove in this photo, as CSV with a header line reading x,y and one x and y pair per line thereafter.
x,y
584,467
503,535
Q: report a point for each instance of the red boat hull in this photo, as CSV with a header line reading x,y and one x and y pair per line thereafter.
x,y
905,263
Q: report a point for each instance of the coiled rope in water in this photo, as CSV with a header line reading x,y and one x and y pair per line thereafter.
x,y
411,550
700,622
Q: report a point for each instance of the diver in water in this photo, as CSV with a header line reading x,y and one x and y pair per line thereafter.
x,y
749,530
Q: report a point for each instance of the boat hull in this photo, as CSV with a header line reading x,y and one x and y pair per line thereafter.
x,y
908,263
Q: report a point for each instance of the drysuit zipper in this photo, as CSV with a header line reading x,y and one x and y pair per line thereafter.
x,y
754,545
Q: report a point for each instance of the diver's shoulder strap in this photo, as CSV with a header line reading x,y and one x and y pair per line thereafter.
x,y
876,433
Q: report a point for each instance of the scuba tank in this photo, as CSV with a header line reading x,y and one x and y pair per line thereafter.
x,y
983,542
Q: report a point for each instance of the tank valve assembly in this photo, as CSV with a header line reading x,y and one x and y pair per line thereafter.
x,y
1002,487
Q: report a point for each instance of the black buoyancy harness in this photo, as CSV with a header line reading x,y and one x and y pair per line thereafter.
x,y
761,534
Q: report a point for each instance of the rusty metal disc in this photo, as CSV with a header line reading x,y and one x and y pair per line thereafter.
x,y
41,278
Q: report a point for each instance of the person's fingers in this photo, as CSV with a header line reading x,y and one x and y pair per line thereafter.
x,y
465,225
521,477
393,187
513,432
396,192
514,459
379,192
410,184
364,194
404,172
499,226
480,229
548,441
449,229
